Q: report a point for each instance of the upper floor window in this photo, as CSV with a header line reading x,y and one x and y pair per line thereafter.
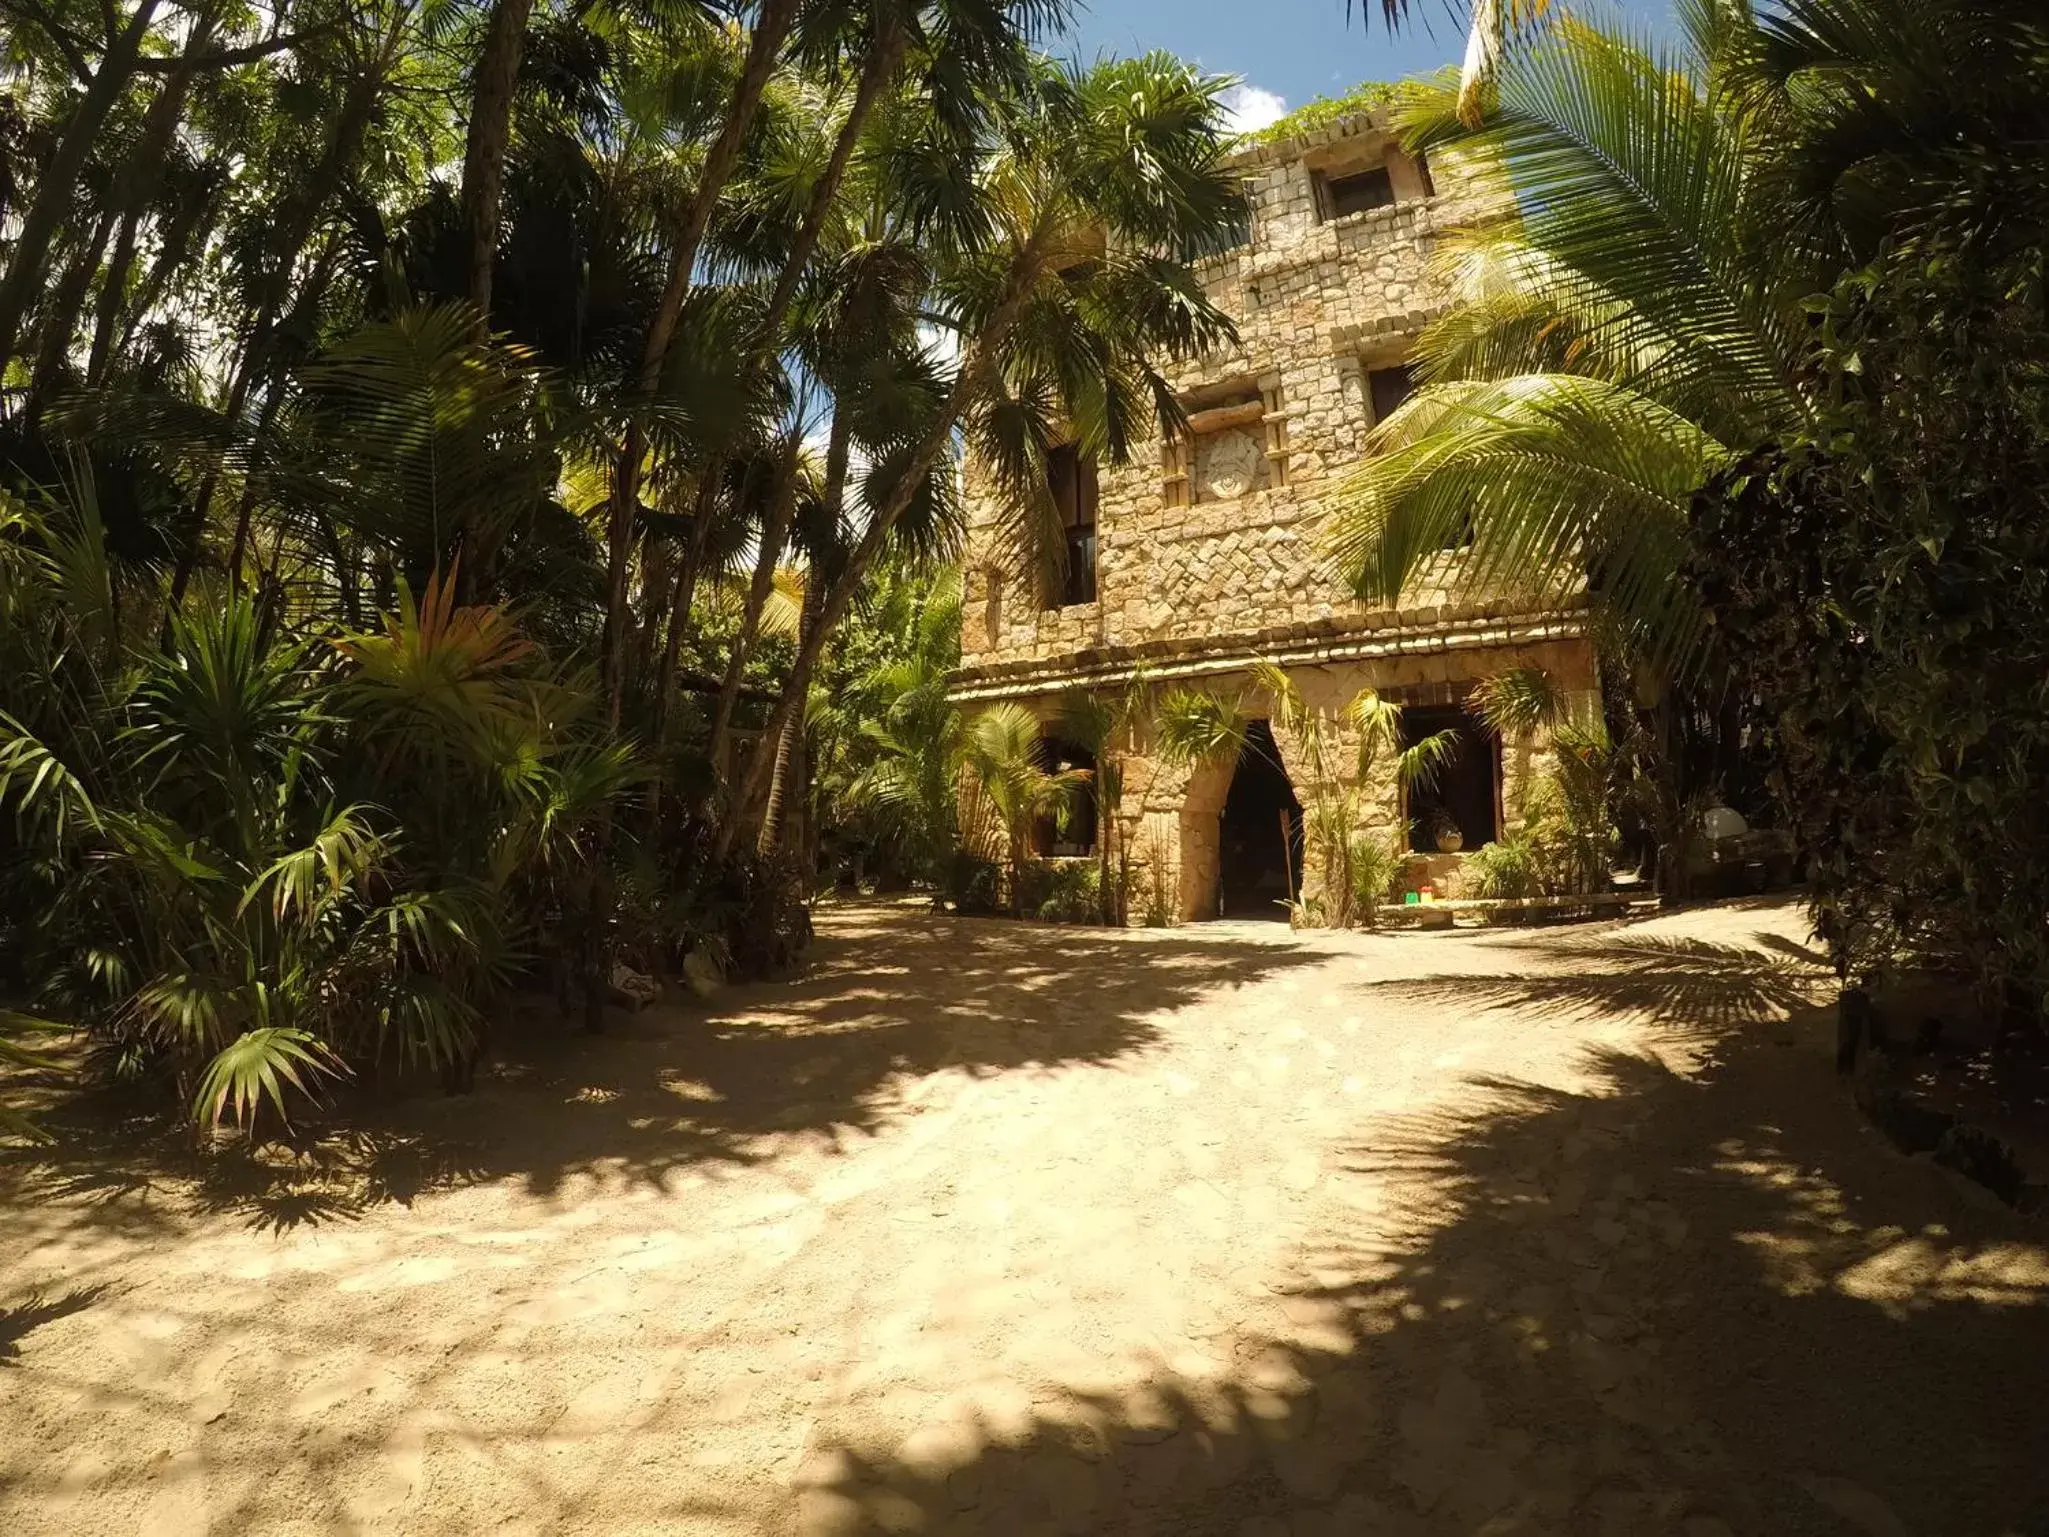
x,y
1071,479
1388,387
1349,187
1358,192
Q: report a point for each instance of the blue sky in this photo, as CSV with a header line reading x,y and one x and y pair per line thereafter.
x,y
1288,51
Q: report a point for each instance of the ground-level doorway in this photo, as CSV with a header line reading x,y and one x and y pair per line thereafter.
x,y
1259,856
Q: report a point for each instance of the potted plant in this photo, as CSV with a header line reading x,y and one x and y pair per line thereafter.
x,y
1444,832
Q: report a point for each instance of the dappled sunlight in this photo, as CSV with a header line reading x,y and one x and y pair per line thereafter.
x,y
1053,1234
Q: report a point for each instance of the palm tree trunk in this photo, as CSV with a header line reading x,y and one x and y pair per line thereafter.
x,y
775,534
61,319
1024,272
789,743
490,131
838,455
679,605
762,51
189,229
296,223
57,185
131,195
1106,902
882,61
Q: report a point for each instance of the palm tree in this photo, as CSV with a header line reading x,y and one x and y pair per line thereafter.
x,y
915,738
1005,756
1643,321
1104,727
1132,148
1617,342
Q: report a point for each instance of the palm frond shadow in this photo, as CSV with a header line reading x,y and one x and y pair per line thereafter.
x,y
1681,984
1656,1296
823,1058
23,1318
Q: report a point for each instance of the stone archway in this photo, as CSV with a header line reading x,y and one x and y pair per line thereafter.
x,y
1202,810
1259,858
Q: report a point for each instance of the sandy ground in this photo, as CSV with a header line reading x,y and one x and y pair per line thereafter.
x,y
982,1228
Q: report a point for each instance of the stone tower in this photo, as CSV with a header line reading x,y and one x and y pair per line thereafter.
x,y
1205,554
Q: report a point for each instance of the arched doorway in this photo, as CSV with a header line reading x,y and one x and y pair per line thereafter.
x,y
1259,856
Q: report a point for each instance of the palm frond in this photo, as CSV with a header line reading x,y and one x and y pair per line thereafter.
x,y
1196,726
1518,701
257,1067
1546,481
1422,764
45,792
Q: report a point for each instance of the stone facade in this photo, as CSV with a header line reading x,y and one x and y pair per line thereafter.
x,y
1211,551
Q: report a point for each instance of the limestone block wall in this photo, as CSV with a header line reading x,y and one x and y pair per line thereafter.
x,y
1188,555
1169,822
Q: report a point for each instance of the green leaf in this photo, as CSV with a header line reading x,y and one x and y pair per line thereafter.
x,y
257,1066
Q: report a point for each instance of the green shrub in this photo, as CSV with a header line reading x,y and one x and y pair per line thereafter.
x,y
1376,875
1326,110
974,884
1882,595
1062,891
1506,869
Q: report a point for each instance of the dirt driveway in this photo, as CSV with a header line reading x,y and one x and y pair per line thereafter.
x,y
982,1228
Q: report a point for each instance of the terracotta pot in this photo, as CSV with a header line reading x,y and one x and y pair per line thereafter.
x,y
1450,841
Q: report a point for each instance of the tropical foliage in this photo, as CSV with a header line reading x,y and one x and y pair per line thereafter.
x,y
441,446
1752,370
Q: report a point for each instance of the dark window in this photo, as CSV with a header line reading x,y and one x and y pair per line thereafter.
x,y
1390,387
1463,791
1072,480
1358,192
1423,175
1078,836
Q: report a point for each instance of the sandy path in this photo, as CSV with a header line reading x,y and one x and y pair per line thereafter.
x,y
981,1228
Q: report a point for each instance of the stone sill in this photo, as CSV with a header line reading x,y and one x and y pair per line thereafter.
x,y
1081,613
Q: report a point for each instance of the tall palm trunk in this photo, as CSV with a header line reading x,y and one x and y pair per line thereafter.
x,y
490,130
189,230
57,184
762,51
790,739
679,623
296,223
790,754
132,188
882,62
62,315
775,533
981,358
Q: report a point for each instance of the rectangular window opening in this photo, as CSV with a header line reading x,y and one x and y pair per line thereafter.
x,y
1071,478
1389,387
1462,796
1357,192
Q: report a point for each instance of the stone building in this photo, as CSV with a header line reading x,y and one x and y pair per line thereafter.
x,y
1202,555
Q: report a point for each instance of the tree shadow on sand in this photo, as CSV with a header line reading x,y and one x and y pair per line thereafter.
x,y
35,1310
887,998
1697,1297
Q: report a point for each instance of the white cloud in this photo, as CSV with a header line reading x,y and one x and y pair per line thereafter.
x,y
1247,108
